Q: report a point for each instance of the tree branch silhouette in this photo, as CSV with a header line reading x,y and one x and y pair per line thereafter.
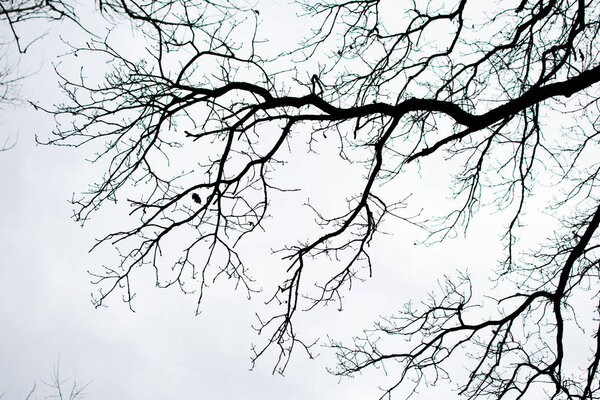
x,y
208,97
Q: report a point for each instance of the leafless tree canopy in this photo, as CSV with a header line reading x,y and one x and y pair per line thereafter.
x,y
193,128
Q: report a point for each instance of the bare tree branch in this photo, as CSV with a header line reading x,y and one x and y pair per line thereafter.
x,y
191,133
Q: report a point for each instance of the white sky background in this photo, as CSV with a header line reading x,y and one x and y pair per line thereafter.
x,y
162,350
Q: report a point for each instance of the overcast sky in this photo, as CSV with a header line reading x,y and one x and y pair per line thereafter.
x,y
162,350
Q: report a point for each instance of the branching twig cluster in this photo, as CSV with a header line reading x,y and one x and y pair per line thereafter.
x,y
192,132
